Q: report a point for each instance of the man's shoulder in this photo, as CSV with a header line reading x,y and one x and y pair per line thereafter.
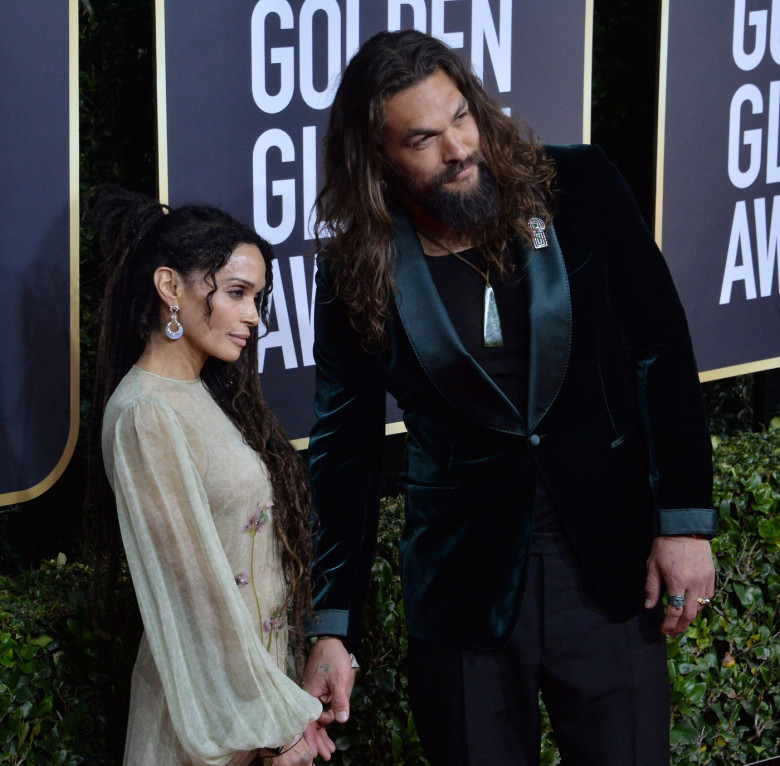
x,y
580,169
574,154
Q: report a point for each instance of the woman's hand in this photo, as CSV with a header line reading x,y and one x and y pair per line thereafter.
x,y
297,753
319,740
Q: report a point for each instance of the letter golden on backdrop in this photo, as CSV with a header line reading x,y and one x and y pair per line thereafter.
x,y
245,89
39,413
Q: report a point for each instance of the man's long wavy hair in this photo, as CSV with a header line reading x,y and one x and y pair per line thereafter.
x,y
354,206
137,235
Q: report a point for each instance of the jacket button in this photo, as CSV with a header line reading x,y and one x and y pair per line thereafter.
x,y
534,440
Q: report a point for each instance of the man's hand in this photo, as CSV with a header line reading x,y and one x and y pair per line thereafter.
x,y
685,565
328,676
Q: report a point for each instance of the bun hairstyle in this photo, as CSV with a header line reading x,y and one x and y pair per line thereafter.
x,y
135,236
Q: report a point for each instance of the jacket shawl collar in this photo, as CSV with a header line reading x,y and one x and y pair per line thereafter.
x,y
451,369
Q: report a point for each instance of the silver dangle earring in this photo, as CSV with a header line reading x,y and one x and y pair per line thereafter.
x,y
169,331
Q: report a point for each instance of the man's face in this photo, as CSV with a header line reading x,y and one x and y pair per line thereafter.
x,y
432,143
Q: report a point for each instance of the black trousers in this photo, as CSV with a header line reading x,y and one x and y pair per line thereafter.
x,y
604,683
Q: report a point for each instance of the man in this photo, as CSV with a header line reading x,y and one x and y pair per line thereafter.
x,y
512,300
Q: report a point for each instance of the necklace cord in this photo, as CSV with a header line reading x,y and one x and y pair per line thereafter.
x,y
484,274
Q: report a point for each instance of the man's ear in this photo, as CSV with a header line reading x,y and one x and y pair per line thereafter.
x,y
169,285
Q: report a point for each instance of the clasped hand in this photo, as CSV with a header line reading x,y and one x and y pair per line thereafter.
x,y
328,676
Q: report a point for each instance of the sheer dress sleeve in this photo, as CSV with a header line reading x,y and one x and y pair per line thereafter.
x,y
223,690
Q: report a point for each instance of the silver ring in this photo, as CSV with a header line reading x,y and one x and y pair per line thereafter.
x,y
678,602
353,663
703,600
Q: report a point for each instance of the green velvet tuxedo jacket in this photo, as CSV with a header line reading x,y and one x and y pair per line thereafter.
x,y
614,425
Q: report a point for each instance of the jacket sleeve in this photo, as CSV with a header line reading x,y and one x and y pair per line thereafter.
x,y
653,324
345,452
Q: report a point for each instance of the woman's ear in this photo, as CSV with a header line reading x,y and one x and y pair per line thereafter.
x,y
168,284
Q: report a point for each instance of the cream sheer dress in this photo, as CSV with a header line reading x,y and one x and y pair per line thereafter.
x,y
195,505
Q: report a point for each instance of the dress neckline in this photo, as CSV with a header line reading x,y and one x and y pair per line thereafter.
x,y
188,381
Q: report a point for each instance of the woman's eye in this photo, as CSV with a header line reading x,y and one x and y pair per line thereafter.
x,y
238,294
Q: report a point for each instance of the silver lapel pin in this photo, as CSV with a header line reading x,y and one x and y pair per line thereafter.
x,y
537,227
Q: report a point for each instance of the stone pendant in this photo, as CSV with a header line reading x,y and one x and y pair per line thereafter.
x,y
491,322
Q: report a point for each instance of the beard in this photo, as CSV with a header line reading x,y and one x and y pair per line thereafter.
x,y
466,212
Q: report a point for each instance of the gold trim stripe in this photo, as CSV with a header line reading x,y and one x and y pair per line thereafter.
x,y
20,496
663,63
587,68
390,430
162,101
740,369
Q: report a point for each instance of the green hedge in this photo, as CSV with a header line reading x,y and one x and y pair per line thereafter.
x,y
63,685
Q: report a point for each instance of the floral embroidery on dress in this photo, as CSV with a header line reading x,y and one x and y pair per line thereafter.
x,y
275,624
258,519
241,578
276,621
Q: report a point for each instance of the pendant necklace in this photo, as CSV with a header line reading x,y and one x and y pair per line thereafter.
x,y
491,321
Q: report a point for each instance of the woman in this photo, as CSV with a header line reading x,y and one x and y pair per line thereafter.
x,y
210,496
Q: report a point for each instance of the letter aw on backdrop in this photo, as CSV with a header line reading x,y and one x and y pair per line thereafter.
x,y
282,337
739,260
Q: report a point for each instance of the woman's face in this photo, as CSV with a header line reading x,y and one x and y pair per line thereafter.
x,y
225,332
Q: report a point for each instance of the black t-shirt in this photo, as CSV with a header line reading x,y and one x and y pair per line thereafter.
x,y
462,291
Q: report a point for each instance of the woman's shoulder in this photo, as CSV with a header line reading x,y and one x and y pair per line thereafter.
x,y
133,389
143,395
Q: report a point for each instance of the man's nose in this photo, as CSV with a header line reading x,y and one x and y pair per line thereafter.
x,y
454,148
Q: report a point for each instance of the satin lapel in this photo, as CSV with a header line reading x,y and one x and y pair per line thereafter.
x,y
451,369
550,328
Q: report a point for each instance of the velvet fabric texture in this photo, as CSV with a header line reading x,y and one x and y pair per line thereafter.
x,y
614,425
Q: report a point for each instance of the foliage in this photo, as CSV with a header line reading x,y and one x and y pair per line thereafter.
x,y
63,684
730,404
726,669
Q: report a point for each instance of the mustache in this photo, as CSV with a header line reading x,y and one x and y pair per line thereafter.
x,y
475,158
